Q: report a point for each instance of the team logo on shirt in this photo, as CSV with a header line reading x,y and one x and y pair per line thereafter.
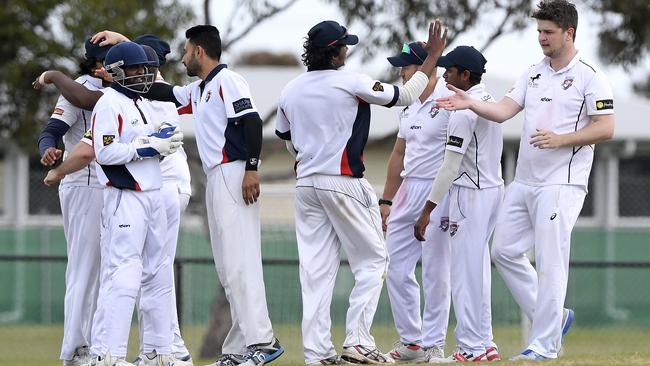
x,y
604,104
242,105
433,112
567,82
455,141
58,111
378,87
108,139
444,223
533,81
134,122
453,228
208,95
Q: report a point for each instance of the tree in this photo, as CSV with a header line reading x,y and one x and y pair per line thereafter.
x,y
49,34
625,35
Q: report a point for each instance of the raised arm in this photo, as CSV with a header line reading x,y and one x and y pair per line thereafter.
x,y
499,112
77,94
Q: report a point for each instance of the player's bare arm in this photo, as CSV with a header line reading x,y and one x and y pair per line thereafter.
x,y
499,112
77,94
107,37
434,47
393,179
80,157
600,129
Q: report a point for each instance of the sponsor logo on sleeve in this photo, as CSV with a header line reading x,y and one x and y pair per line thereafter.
x,y
604,104
242,105
88,134
108,139
455,141
58,111
378,87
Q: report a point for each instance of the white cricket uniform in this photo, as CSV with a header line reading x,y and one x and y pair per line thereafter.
x,y
218,103
134,236
326,115
475,197
423,126
544,201
81,205
175,193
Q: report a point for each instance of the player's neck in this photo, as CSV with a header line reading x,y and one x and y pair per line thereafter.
x,y
561,61
207,68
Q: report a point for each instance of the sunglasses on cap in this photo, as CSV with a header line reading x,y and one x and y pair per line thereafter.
x,y
407,49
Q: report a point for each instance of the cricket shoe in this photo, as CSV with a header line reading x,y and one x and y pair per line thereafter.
x,y
155,359
408,353
492,354
567,320
228,359
528,355
81,357
185,357
108,360
461,355
262,353
435,354
363,354
334,360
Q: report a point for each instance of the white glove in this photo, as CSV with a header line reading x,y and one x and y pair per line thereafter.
x,y
164,142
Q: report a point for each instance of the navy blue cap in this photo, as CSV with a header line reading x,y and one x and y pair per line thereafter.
x,y
152,57
93,50
412,54
161,47
465,57
330,33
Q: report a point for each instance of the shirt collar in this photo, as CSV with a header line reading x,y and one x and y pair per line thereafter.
x,y
211,75
574,60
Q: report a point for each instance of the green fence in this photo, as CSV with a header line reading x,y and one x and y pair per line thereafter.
x,y
609,282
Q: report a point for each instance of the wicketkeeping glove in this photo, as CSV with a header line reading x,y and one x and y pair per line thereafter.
x,y
164,142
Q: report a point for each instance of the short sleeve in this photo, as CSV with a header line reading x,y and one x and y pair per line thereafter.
x,y
599,96
66,112
460,129
518,90
400,131
282,125
375,92
236,96
87,138
183,95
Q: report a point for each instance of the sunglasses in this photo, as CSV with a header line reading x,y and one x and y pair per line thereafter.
x,y
407,49
339,39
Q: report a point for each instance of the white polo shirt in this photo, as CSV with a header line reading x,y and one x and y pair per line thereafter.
x,y
561,101
79,121
116,121
218,103
481,143
326,115
424,128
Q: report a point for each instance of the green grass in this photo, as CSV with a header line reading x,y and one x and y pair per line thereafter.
x,y
27,345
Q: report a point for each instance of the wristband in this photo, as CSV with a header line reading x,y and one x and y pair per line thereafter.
x,y
252,163
385,202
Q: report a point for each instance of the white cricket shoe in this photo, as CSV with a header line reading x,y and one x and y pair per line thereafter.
x,y
407,353
435,354
81,357
108,360
363,354
154,359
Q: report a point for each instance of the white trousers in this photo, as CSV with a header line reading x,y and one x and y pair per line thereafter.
x,y
543,217
81,207
405,251
472,217
134,259
175,204
334,212
236,247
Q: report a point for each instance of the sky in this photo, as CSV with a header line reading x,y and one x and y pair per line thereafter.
x,y
285,32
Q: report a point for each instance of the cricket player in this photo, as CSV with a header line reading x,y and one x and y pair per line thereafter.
x,y
472,169
569,107
134,255
324,116
81,204
412,166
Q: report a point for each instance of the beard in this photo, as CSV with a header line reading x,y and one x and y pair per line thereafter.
x,y
192,68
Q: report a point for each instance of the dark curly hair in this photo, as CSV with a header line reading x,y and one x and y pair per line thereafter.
x,y
87,65
319,58
560,12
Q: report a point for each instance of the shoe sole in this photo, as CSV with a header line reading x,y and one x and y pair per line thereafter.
x,y
273,356
567,324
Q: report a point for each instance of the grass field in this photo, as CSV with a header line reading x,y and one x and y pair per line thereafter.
x,y
39,345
